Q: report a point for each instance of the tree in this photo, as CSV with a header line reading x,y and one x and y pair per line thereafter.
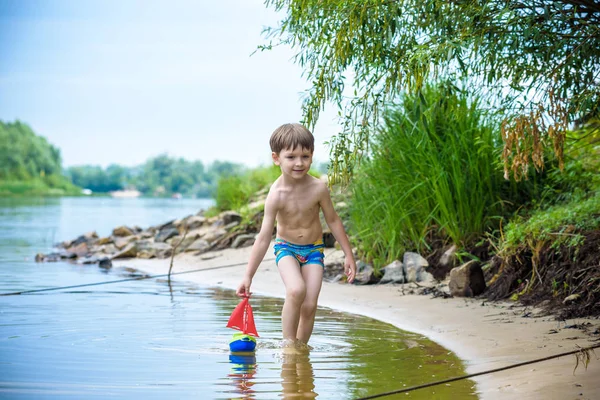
x,y
535,61
25,155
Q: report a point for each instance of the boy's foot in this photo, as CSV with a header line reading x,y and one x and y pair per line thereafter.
x,y
291,346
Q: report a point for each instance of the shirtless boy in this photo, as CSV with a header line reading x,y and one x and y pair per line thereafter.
x,y
294,202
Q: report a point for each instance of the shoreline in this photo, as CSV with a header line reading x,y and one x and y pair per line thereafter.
x,y
484,335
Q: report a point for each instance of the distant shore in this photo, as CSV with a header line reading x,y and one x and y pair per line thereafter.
x,y
485,335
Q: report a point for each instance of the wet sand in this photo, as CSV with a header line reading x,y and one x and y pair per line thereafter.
x,y
485,335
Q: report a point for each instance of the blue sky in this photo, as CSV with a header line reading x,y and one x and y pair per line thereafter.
x,y
120,81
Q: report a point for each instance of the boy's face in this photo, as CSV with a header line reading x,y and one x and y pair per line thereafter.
x,y
294,163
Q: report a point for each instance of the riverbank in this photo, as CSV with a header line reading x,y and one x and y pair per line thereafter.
x,y
485,335
57,187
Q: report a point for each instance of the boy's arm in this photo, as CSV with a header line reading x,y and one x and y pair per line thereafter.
x,y
337,228
261,244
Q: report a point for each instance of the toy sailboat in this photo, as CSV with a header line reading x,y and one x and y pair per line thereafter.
x,y
242,319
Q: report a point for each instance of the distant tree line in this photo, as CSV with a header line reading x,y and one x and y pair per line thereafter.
x,y
159,176
30,165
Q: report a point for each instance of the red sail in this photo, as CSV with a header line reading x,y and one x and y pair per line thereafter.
x,y
249,327
242,318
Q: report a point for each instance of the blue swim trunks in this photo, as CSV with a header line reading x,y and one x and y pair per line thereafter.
x,y
304,253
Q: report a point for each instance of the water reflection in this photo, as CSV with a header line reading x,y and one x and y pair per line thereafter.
x,y
297,375
242,373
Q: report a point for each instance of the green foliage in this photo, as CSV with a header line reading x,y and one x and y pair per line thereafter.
x,y
29,165
159,176
557,225
235,191
25,155
525,57
97,179
53,185
432,168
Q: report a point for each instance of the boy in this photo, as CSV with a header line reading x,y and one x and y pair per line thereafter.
x,y
294,201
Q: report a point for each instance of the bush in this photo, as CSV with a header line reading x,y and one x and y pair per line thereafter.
x,y
433,169
235,191
557,225
52,185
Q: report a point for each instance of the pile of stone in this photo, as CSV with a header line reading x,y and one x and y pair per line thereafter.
x,y
195,233
198,234
465,280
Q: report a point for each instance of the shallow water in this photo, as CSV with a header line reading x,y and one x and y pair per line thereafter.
x,y
152,339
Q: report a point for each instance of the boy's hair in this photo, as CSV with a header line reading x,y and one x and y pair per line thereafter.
x,y
290,136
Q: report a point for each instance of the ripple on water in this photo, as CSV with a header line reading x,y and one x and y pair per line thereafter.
x,y
154,340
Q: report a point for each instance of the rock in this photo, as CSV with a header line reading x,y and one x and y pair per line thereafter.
x,y
195,222
335,259
467,280
54,257
79,250
200,245
230,216
173,240
214,234
147,234
39,257
104,240
145,254
154,249
366,276
165,234
414,266
180,223
571,299
244,240
91,235
122,231
426,277
449,259
166,225
393,273
121,242
85,238
328,239
105,263
130,251
104,249
231,225
189,239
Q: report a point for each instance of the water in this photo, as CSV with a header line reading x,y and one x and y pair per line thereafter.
x,y
154,339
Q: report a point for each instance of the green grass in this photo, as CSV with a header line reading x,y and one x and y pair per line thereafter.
x,y
433,167
48,186
557,225
236,191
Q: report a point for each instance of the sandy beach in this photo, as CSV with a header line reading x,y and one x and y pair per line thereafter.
x,y
485,335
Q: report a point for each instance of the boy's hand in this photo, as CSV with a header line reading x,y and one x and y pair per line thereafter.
x,y
243,289
350,268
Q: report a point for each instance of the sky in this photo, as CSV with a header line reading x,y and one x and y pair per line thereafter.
x,y
121,81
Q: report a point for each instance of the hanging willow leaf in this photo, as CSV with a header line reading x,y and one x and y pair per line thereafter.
x,y
538,62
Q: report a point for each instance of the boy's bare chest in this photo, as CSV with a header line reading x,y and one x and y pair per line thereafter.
x,y
296,204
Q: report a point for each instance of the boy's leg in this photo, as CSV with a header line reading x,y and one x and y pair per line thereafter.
x,y
313,278
295,291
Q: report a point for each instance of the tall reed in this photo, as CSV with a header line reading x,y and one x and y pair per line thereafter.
x,y
433,166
